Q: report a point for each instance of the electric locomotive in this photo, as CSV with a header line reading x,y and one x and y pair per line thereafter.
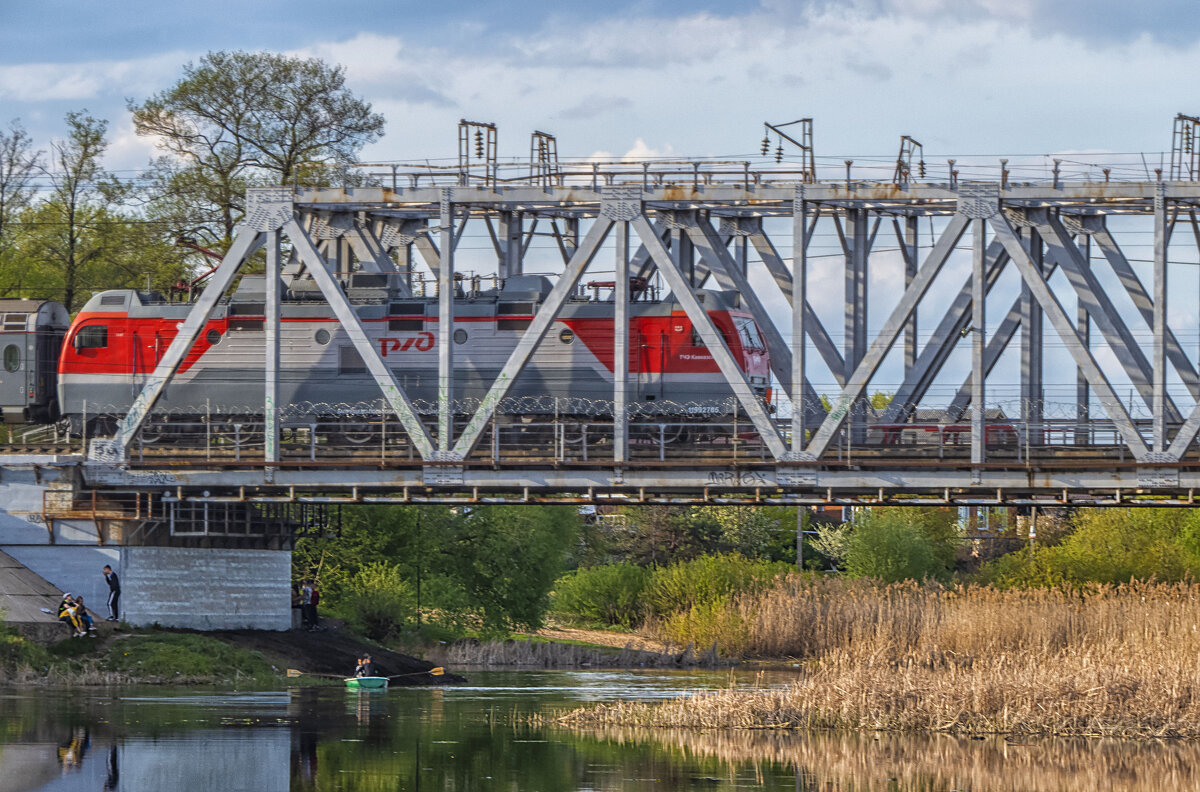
x,y
120,336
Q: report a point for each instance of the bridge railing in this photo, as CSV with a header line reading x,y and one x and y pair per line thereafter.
x,y
516,440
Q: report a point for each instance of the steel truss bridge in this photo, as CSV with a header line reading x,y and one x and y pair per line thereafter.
x,y
1129,438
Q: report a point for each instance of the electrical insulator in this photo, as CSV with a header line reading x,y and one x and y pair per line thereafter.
x,y
921,169
478,143
779,153
766,145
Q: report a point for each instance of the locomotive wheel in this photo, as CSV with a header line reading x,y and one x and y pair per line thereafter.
x,y
154,429
239,431
358,432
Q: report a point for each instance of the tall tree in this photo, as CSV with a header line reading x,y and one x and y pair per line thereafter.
x,y
18,164
237,119
79,188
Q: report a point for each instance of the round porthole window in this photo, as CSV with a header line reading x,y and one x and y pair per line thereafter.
x,y
12,357
212,337
322,336
566,336
460,336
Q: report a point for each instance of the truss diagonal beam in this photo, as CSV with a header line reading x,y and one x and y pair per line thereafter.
x,y
1066,331
943,341
996,345
350,322
709,245
533,334
715,252
715,342
370,252
816,331
244,246
642,264
1141,300
858,381
1092,296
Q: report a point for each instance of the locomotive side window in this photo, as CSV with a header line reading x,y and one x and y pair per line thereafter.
x,y
12,357
519,309
92,337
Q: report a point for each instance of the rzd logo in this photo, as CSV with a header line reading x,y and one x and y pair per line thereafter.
x,y
422,342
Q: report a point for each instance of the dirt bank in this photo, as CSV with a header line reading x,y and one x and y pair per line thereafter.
x,y
332,651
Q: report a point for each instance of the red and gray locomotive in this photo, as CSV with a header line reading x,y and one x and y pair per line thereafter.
x,y
119,337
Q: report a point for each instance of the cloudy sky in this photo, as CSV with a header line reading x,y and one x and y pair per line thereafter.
x,y
1081,79
987,77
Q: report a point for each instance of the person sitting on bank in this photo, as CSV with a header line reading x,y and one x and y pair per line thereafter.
x,y
67,613
365,667
85,618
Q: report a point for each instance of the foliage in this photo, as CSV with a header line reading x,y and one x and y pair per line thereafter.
x,y
899,543
240,119
705,581
488,567
18,164
183,655
17,652
1108,546
712,623
379,601
610,594
83,236
831,542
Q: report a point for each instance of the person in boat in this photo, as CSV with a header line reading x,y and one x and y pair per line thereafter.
x,y
365,667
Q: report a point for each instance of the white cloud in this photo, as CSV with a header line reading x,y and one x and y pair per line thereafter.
x,y
32,82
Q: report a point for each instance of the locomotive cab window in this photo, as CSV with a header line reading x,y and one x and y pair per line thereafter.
x,y
750,337
92,337
12,357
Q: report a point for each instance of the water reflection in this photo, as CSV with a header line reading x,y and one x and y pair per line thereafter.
x,y
479,738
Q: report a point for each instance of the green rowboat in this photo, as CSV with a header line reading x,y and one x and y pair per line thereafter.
x,y
367,683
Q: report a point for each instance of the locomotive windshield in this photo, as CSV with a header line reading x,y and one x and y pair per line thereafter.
x,y
748,333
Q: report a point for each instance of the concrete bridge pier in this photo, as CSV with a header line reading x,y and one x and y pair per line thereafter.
x,y
219,569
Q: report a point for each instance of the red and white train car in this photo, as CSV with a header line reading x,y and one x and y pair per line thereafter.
x,y
118,338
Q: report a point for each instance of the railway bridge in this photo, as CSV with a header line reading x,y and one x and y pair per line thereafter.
x,y
905,323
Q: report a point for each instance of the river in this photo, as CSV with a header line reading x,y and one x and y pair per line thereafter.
x,y
478,737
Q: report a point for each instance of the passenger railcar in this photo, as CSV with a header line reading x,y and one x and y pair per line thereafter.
x,y
119,337
31,334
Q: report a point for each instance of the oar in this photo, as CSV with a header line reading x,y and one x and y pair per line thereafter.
x,y
432,672
293,672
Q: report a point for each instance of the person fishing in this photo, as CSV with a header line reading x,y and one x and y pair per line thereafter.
x,y
365,667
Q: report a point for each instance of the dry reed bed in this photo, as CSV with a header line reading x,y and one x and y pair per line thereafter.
x,y
1104,660
530,654
847,760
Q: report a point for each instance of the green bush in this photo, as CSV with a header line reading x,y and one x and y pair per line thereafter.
x,y
888,545
609,594
679,588
378,600
708,624
16,652
1108,546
